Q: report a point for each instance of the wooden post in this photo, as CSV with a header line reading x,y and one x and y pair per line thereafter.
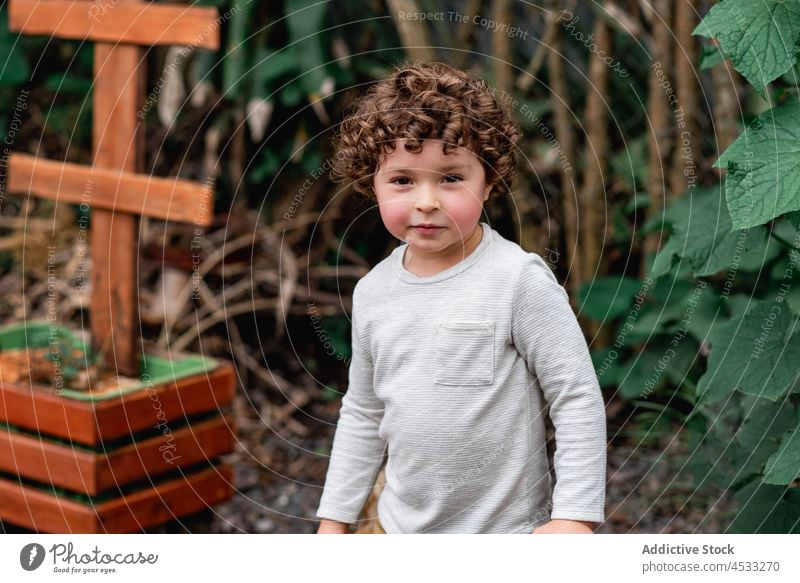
x,y
117,141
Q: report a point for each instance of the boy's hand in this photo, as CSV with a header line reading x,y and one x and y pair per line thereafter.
x,y
559,526
333,527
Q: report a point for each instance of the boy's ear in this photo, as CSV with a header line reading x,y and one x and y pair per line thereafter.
x,y
486,191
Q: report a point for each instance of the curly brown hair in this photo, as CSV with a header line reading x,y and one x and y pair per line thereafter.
x,y
421,101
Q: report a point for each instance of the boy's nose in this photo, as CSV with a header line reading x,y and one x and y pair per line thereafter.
x,y
426,199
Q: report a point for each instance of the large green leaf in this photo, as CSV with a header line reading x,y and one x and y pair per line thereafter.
x,y
758,35
763,168
708,457
756,353
762,419
767,509
664,304
662,361
703,235
703,312
759,434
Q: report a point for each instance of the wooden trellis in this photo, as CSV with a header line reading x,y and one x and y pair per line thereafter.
x,y
117,192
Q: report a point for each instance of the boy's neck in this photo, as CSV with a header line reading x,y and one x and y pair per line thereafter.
x,y
423,264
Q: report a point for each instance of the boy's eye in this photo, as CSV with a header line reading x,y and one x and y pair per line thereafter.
x,y
450,178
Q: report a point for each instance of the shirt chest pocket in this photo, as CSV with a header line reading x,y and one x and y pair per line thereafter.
x,y
464,353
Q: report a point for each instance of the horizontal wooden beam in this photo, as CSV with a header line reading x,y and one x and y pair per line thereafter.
x,y
127,192
118,22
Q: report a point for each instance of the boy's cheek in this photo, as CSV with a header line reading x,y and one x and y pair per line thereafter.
x,y
465,214
394,216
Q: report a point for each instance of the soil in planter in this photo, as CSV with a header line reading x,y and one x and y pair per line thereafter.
x,y
44,356
70,368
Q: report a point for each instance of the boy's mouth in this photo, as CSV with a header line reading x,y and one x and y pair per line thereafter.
x,y
427,229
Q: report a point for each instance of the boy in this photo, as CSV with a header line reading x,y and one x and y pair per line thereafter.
x,y
460,338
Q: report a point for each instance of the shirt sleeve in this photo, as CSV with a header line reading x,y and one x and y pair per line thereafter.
x,y
358,451
546,333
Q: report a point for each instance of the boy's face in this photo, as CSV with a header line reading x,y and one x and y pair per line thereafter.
x,y
431,188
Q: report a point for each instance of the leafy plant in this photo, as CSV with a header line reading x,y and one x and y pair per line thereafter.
x,y
748,397
759,37
710,340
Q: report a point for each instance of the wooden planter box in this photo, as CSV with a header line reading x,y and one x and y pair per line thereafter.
x,y
91,472
43,511
106,461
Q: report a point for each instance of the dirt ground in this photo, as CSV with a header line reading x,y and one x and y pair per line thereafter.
x,y
647,490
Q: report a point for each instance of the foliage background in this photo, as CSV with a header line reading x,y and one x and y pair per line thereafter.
x,y
673,223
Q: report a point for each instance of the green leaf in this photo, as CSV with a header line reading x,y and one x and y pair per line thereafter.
x,y
793,298
763,168
680,362
335,329
292,93
680,210
737,303
608,297
269,163
14,68
712,55
311,161
630,163
649,323
606,366
535,110
703,235
640,376
707,459
664,304
202,67
331,394
756,354
638,200
759,249
702,313
794,219
767,509
664,359
664,260
69,84
304,19
759,36
235,62
269,66
784,465
760,431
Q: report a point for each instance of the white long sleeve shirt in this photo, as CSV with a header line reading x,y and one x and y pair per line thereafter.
x,y
451,376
